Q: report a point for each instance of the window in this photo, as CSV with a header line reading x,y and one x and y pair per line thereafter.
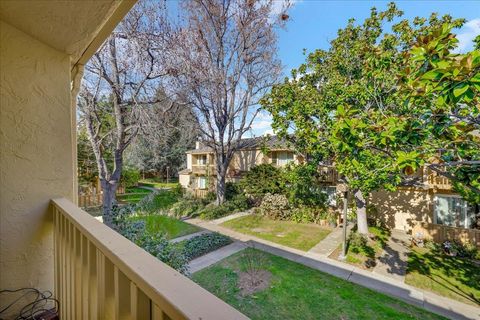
x,y
331,193
453,211
202,182
202,159
282,158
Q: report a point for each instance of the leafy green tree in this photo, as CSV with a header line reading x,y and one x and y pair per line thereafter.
x,y
345,104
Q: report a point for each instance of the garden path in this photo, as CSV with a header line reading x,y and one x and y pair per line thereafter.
x,y
215,256
444,306
393,261
189,236
232,216
331,242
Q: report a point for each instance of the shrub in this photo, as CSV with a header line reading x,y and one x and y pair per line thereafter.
x,y
263,179
232,190
357,242
456,248
303,188
129,177
154,243
275,206
305,214
212,211
186,207
205,243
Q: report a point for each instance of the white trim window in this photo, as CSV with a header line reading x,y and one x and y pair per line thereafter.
x,y
202,182
452,210
284,158
202,159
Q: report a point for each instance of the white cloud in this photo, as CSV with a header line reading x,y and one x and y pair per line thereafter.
x,y
262,124
465,37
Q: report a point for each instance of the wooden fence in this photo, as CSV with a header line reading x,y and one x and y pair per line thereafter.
x,y
200,193
95,200
440,233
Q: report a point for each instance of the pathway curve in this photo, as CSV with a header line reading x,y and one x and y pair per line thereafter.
x,y
393,261
189,236
215,256
376,281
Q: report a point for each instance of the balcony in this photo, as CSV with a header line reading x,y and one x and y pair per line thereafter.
x,y
99,274
328,174
433,180
203,169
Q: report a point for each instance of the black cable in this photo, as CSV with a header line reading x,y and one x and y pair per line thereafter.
x,y
34,308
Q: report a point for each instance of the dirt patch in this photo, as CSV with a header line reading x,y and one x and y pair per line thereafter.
x,y
251,283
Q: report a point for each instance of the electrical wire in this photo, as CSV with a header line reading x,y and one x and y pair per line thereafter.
x,y
33,309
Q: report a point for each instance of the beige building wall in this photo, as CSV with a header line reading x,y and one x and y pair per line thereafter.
x,y
244,160
184,180
400,209
36,155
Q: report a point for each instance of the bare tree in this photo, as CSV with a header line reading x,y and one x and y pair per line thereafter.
x,y
120,81
224,56
171,130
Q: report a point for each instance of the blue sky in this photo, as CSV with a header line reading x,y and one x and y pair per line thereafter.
x,y
314,23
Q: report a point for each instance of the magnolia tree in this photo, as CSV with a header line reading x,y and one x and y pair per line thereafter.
x,y
121,80
224,57
350,104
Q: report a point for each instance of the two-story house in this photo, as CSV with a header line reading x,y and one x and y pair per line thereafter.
x,y
199,176
424,200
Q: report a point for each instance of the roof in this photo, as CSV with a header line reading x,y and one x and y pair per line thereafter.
x,y
270,142
184,171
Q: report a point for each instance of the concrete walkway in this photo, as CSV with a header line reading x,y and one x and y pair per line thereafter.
x,y
393,261
215,256
232,216
376,281
189,236
330,242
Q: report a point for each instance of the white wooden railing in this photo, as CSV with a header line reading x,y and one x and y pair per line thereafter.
x,y
99,274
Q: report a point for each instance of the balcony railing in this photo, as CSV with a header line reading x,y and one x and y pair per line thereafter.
x,y
435,180
99,274
203,169
327,174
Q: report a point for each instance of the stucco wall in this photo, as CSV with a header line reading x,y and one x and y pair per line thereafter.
x,y
244,160
400,209
184,180
36,159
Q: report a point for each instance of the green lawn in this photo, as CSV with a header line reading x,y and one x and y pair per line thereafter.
x,y
154,183
296,235
452,277
137,190
298,292
172,227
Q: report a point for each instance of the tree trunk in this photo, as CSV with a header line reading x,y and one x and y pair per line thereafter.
x,y
362,225
109,189
221,186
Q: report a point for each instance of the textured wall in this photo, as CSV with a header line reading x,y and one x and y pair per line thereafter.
x,y
36,159
400,209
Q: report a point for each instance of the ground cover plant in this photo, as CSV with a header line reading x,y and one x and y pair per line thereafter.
x,y
363,251
288,290
296,235
203,244
454,277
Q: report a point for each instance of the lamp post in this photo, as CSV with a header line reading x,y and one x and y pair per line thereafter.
x,y
345,206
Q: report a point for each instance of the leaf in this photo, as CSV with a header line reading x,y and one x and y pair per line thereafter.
x,y
460,89
432,75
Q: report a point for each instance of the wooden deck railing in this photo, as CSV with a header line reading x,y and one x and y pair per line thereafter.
x,y
101,275
203,169
200,193
440,233
94,200
328,174
435,180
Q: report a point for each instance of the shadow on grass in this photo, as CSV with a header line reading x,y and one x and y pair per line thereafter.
x,y
462,270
